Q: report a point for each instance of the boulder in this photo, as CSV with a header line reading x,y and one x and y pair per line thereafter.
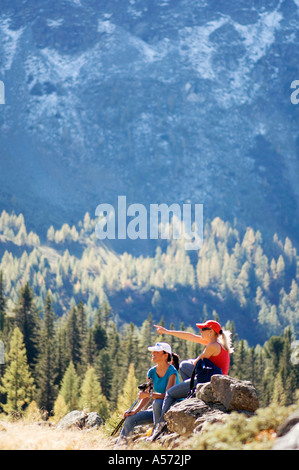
x,y
93,420
188,416
80,420
213,401
232,393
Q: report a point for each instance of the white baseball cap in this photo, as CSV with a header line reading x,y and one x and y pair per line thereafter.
x,y
161,347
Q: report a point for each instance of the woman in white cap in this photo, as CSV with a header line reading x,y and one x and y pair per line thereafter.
x,y
216,354
164,376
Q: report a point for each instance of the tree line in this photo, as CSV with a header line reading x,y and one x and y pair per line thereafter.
x,y
65,363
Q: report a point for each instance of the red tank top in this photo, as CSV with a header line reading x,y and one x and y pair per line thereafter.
x,y
221,360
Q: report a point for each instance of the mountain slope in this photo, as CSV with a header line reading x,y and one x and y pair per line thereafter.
x,y
161,101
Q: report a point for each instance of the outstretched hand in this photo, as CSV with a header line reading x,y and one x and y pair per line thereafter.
x,y
161,330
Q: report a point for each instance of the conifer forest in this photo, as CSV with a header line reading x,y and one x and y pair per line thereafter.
x,y
65,304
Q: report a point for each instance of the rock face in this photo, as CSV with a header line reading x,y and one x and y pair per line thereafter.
x,y
213,401
190,416
232,393
80,420
101,95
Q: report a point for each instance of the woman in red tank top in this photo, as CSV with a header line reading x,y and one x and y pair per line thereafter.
x,y
221,360
216,341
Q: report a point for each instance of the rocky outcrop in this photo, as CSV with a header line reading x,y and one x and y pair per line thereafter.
x,y
232,393
80,420
213,401
191,415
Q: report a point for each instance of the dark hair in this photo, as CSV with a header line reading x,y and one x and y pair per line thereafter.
x,y
175,360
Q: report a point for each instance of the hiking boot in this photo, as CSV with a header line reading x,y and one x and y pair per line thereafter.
x,y
159,430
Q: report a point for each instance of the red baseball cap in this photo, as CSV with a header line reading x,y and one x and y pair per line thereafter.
x,y
214,325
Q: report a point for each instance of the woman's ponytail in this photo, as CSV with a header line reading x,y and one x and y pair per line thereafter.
x,y
226,340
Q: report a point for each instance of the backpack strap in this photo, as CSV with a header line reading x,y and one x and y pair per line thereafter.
x,y
191,393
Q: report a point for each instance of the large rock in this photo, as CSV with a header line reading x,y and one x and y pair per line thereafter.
x,y
213,401
232,393
189,415
80,420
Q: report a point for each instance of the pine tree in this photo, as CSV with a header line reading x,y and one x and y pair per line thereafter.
x,y
82,326
91,348
28,321
129,391
107,313
60,409
62,356
130,345
46,365
73,337
91,396
105,372
70,390
114,350
239,368
17,381
99,333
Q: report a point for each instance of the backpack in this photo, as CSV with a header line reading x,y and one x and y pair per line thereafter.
x,y
203,371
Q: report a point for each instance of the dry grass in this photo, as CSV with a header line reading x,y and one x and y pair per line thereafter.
x,y
25,436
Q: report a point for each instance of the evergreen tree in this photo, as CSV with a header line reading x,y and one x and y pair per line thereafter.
x,y
99,332
129,392
91,349
106,312
73,337
279,393
62,356
130,345
114,351
70,390
17,382
82,337
239,367
105,372
91,397
28,321
60,409
82,326
46,365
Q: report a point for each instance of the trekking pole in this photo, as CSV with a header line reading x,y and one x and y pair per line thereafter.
x,y
141,387
114,432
